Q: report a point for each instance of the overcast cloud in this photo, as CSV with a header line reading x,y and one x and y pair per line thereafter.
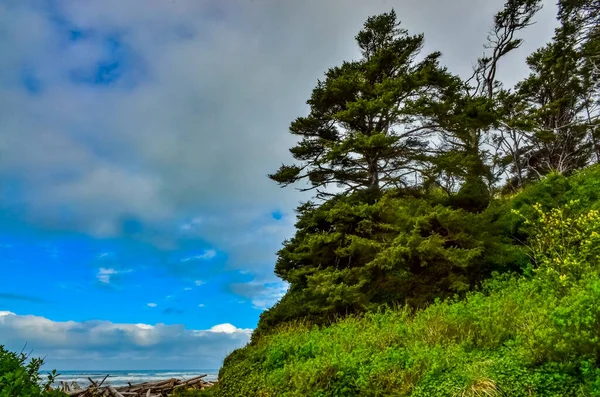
x,y
157,121
195,107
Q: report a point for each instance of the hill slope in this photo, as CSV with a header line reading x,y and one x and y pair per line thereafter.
x,y
535,334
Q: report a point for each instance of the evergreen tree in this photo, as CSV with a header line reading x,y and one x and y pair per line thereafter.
x,y
556,95
550,123
470,111
583,18
364,130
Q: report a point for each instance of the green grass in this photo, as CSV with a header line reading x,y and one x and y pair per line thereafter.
x,y
517,338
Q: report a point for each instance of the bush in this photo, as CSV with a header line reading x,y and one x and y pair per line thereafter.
x,y
21,379
356,254
565,245
518,336
209,391
349,257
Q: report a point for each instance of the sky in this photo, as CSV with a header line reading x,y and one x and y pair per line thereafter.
x,y
138,229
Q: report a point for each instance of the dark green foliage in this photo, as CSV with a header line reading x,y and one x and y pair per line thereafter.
x,y
557,190
386,278
518,336
349,256
474,195
19,378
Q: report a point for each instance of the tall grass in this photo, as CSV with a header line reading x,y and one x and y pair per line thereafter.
x,y
516,338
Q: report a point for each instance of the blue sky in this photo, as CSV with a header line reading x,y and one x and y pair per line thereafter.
x,y
138,228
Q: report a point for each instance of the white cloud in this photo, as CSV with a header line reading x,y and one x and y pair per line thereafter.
x,y
224,329
206,255
107,345
187,289
199,282
104,274
201,305
151,304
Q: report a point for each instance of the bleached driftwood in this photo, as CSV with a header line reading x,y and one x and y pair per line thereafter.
x,y
160,388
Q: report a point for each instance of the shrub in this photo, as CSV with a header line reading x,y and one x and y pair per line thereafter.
x,y
209,391
565,245
349,257
19,378
519,336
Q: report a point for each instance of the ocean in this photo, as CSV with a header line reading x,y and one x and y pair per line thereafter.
x,y
120,378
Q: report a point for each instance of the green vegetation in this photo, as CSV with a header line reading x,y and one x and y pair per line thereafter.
x,y
194,393
19,378
349,257
519,335
460,254
515,339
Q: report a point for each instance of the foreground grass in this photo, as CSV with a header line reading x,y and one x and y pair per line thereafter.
x,y
517,338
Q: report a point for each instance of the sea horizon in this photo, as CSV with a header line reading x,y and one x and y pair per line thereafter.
x,y
123,377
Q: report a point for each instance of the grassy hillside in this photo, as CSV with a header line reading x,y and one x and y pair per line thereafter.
x,y
517,339
534,332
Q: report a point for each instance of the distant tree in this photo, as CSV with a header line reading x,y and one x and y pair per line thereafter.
x,y
582,17
364,130
470,112
550,122
557,95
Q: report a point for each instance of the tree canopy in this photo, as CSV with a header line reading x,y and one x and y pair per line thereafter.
x,y
421,158
365,129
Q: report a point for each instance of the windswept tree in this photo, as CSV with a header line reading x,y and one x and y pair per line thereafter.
x,y
557,95
364,130
582,18
550,123
470,112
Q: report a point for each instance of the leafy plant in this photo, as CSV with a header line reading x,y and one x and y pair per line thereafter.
x,y
564,246
21,378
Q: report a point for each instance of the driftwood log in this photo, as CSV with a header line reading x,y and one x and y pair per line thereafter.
x,y
162,388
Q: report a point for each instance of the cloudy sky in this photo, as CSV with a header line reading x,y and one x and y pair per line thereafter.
x,y
138,228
